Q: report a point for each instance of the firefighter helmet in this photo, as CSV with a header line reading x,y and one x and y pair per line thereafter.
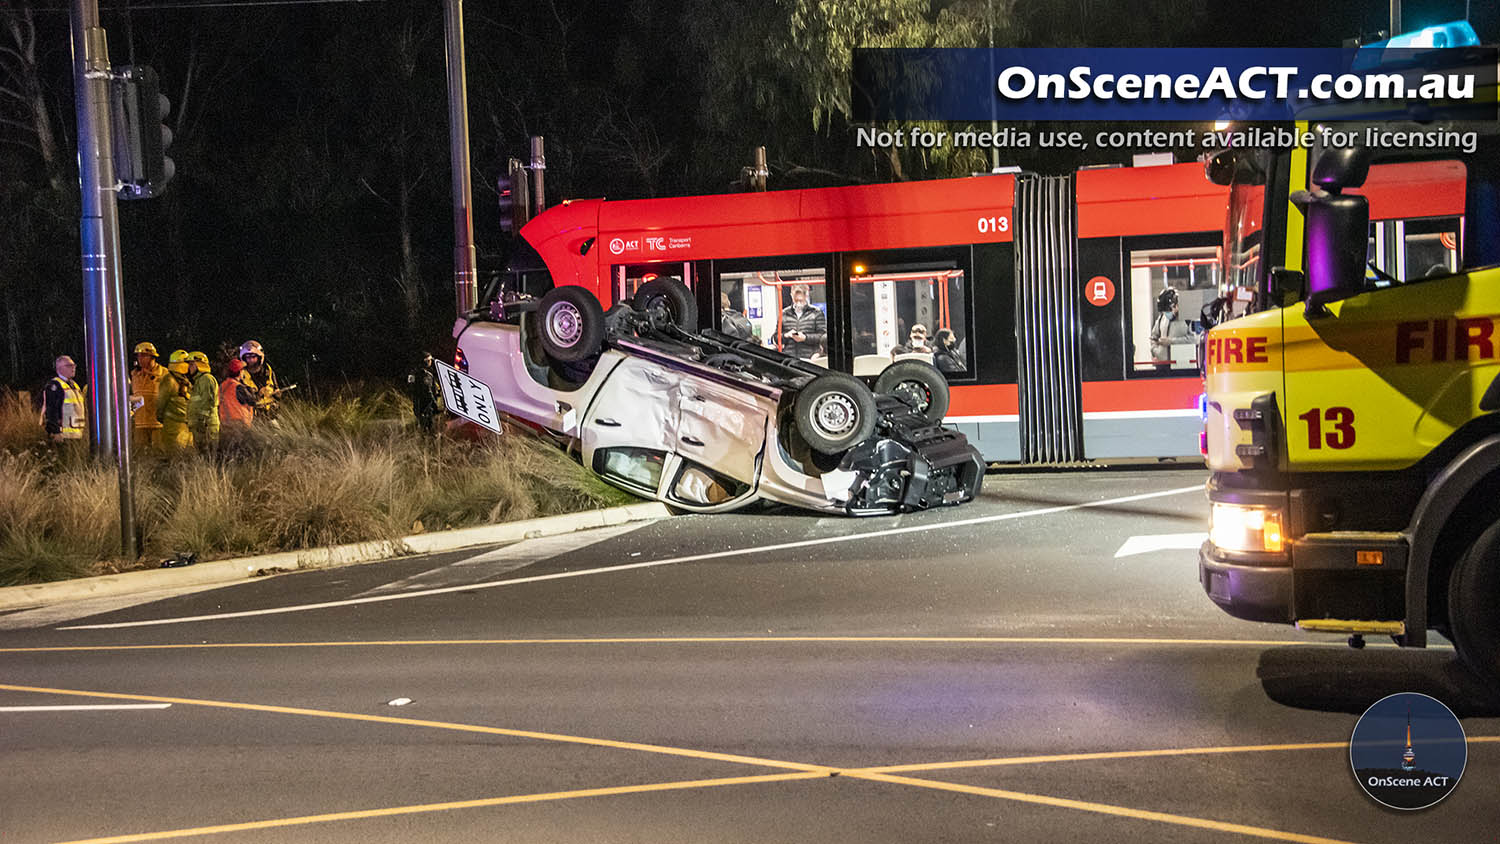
x,y
147,348
252,347
178,362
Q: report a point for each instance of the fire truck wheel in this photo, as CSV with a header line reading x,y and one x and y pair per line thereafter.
x,y
671,295
834,412
571,322
1473,599
920,385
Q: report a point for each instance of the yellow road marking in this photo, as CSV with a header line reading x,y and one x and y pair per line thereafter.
x,y
688,640
438,725
1100,808
1103,755
805,771
445,807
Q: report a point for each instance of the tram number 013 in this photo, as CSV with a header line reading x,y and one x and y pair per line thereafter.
x,y
991,225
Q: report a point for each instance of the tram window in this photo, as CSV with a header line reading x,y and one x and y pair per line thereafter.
x,y
1432,248
1164,337
780,309
906,311
629,278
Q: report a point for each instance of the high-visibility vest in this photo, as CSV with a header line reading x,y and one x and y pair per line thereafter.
x,y
231,410
73,416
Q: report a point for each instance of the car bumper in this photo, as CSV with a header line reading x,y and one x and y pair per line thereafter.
x,y
1251,592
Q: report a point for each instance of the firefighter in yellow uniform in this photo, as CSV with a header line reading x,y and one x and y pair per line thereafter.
x,y
145,380
203,403
172,405
63,414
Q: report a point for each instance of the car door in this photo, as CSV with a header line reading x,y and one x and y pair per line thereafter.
x,y
630,428
721,428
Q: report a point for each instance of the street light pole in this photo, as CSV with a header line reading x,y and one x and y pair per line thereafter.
x,y
99,230
465,280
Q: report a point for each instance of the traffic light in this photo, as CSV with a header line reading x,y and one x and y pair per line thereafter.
x,y
515,198
138,109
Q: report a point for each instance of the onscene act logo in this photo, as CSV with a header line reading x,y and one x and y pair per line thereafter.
x,y
1408,751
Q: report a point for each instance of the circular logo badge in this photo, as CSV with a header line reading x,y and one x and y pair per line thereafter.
x,y
1408,751
1100,291
616,246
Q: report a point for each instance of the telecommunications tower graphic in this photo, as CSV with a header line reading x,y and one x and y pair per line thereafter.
x,y
1409,758
1387,768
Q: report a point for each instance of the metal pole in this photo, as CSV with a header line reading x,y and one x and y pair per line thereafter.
x,y
1395,18
538,174
99,228
465,282
759,172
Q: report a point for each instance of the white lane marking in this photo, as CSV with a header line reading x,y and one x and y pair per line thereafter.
x,y
1160,542
494,563
65,612
691,558
84,707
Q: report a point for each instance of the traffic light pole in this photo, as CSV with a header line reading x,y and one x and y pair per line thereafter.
x,y
103,303
465,280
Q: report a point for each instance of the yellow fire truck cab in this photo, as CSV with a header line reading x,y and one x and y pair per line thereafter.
x,y
1352,390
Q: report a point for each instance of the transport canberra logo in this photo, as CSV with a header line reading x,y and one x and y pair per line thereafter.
x,y
1408,751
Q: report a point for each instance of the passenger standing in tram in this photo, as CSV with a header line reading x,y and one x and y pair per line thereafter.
x,y
1167,329
803,327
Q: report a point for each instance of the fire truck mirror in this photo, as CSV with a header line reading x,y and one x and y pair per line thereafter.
x,y
1337,245
1336,168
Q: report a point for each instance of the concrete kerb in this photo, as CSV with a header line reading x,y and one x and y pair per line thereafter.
x,y
227,571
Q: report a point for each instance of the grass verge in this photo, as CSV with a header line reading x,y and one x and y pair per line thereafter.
x,y
350,469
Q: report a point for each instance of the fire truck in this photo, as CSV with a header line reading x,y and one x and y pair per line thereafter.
x,y
1350,412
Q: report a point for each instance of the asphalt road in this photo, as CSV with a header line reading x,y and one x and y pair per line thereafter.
x,y
989,673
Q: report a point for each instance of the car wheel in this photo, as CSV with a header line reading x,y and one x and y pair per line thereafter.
x,y
1474,606
834,412
919,385
671,295
571,322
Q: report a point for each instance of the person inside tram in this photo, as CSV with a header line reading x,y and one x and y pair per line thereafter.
x,y
733,322
916,342
1168,329
803,326
946,354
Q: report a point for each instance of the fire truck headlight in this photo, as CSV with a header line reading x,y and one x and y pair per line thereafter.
x,y
1238,528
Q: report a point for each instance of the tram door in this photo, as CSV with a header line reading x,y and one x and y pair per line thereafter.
x,y
1047,320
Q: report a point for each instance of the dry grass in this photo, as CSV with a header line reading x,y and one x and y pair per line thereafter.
x,y
352,469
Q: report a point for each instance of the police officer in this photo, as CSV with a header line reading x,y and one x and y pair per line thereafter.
x,y
426,395
63,413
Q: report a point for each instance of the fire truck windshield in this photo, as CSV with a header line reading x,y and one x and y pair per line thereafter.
x,y
1244,233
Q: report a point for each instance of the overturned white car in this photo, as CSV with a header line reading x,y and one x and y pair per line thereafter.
x,y
708,423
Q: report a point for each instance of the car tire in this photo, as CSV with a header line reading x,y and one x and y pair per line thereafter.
x,y
1474,606
674,296
570,322
921,386
834,412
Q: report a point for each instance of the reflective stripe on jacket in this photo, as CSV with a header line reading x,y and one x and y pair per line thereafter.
x,y
63,411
